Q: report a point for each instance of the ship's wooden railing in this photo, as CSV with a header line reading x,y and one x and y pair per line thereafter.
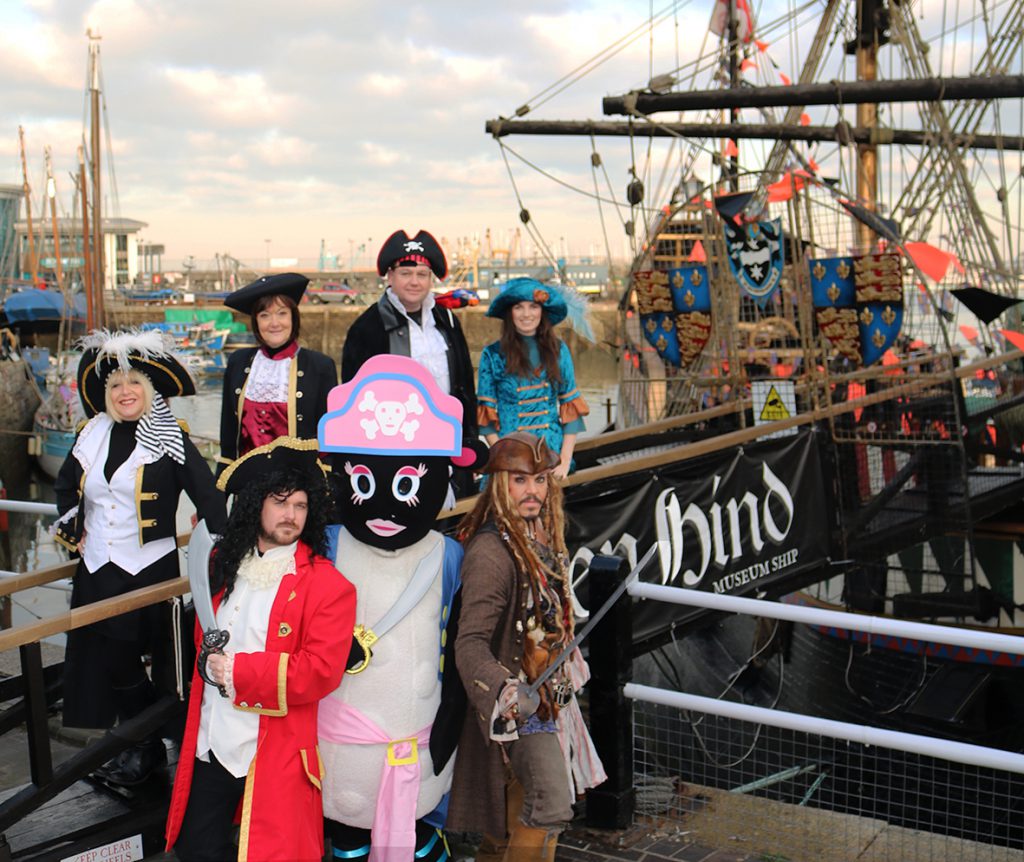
x,y
36,688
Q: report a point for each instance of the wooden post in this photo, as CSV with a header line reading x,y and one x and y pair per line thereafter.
x,y
610,805
39,757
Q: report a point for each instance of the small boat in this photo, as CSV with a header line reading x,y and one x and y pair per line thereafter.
x,y
57,418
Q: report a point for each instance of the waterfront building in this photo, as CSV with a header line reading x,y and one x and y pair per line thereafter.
x,y
120,248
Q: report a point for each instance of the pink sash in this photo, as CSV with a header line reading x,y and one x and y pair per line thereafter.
x,y
393,834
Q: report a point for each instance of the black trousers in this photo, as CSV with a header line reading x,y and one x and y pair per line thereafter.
x,y
208,829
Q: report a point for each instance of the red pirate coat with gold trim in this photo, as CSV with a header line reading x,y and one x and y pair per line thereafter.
x,y
308,640
312,376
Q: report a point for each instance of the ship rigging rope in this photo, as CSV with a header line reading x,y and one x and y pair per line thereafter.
x,y
595,159
598,59
531,228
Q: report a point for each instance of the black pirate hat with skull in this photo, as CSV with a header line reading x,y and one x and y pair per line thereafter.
x,y
400,250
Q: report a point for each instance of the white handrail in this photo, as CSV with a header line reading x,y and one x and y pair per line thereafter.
x,y
28,507
943,749
971,638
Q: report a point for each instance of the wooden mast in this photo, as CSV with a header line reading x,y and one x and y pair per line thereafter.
x,y
99,282
90,315
58,265
867,116
33,266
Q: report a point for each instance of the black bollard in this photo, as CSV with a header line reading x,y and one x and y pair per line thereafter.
x,y
610,805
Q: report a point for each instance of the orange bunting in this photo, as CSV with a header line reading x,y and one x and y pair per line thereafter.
x,y
761,46
730,149
785,79
747,64
933,262
1015,338
805,120
969,332
697,254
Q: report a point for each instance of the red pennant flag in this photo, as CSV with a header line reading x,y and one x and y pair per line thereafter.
x,y
747,64
805,120
969,332
785,79
933,262
698,255
1015,338
761,46
730,149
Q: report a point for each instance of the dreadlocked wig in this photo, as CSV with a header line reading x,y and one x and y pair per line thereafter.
x,y
495,504
513,348
244,522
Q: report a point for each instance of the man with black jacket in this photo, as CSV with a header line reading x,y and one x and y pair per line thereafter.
x,y
406,321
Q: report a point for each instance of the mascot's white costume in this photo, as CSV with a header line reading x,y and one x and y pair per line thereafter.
x,y
387,734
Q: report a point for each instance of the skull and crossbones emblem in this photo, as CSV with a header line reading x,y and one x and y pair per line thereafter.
x,y
413,245
390,417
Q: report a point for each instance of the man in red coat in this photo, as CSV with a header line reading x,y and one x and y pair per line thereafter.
x,y
251,756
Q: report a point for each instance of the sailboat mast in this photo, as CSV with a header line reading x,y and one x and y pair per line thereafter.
x,y
99,282
51,194
33,267
90,317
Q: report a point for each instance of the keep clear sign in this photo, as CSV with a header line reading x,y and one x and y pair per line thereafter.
x,y
773,400
123,850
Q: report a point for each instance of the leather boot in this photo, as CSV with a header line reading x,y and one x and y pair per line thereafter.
x,y
531,844
137,763
493,849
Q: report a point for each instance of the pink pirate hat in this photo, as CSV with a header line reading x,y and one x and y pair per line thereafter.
x,y
392,407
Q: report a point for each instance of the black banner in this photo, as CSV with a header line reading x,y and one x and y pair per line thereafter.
x,y
734,522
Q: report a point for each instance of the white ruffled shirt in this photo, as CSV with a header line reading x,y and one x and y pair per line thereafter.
x,y
226,731
426,344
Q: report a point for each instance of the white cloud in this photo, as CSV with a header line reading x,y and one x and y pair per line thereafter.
x,y
379,155
243,99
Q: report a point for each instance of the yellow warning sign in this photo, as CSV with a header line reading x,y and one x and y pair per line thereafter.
x,y
774,409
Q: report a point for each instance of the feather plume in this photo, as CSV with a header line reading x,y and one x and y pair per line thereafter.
x,y
578,310
118,346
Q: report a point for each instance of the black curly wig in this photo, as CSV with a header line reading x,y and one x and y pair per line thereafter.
x,y
243,527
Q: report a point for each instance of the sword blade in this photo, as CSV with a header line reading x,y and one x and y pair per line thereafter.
x,y
593,621
198,567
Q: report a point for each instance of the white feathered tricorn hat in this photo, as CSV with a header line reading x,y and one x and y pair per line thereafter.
x,y
148,351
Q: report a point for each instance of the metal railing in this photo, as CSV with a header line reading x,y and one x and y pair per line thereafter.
x,y
782,785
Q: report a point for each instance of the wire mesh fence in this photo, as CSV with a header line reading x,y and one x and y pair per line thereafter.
x,y
770,793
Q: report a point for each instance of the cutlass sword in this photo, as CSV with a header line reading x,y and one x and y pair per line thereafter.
x,y
214,639
529,700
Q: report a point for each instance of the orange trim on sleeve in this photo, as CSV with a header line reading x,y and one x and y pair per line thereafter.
x,y
487,416
574,409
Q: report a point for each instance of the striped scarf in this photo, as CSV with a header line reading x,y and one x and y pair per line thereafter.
x,y
160,433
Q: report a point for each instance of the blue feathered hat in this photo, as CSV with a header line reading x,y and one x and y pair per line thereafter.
x,y
559,301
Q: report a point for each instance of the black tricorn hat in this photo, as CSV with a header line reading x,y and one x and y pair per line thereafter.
x,y
287,283
148,351
398,247
284,453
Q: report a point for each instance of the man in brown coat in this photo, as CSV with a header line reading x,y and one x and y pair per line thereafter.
x,y
510,774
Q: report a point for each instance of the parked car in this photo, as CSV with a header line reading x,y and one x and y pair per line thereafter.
x,y
333,291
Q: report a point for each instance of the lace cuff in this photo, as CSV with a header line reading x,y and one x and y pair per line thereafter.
x,y
229,675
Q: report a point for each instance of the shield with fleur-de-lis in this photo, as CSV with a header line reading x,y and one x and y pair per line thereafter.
x,y
858,302
675,311
878,281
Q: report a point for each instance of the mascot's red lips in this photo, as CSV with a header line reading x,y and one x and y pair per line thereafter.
x,y
383,527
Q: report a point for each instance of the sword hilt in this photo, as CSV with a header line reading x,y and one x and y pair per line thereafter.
x,y
213,643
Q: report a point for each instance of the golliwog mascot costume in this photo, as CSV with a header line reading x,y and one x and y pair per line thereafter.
x,y
388,733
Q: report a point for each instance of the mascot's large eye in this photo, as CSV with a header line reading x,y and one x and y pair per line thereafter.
x,y
363,483
406,484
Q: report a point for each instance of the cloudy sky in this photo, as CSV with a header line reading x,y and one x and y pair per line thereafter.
x,y
236,123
